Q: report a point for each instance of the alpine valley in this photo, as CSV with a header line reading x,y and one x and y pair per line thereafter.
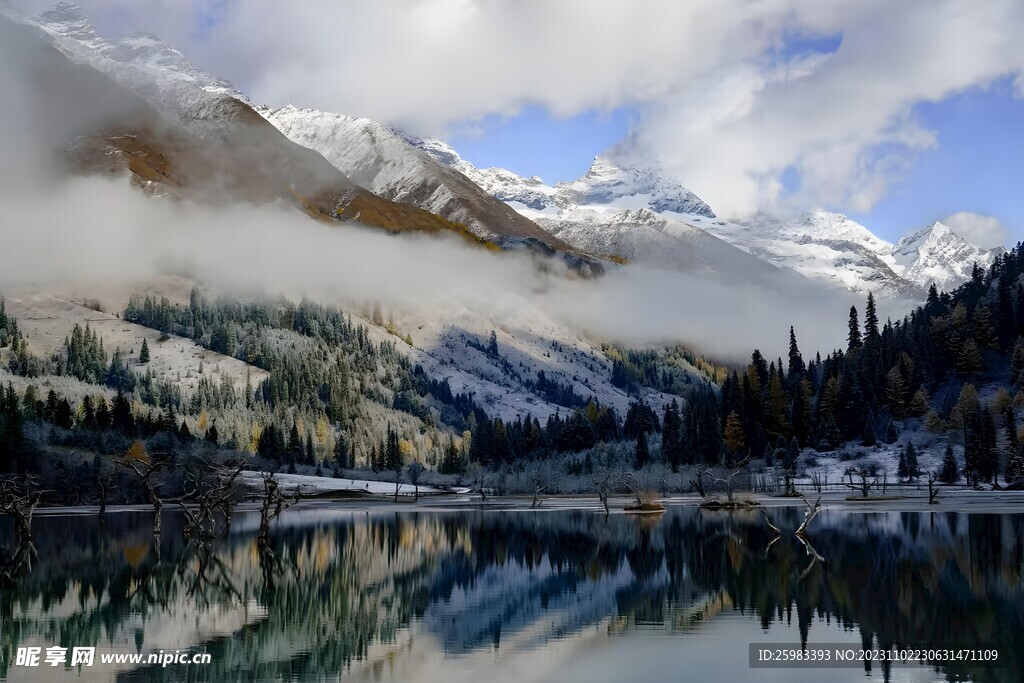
x,y
173,363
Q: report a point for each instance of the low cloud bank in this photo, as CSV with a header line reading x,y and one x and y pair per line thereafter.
x,y
91,230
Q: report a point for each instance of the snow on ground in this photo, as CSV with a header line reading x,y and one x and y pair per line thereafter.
x,y
529,344
930,450
47,318
311,485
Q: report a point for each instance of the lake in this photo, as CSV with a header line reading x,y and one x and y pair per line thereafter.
x,y
519,596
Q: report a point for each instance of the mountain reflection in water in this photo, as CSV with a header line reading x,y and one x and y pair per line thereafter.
x,y
519,595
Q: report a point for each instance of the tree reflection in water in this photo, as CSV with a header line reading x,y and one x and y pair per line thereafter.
x,y
335,590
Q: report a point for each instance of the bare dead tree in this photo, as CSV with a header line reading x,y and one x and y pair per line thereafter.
x,y
777,530
698,483
478,476
816,481
634,487
729,482
414,471
274,503
604,484
210,496
933,490
812,512
19,498
211,581
864,486
103,486
538,488
816,557
145,469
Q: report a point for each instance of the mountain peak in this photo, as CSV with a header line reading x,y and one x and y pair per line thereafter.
x,y
615,179
935,254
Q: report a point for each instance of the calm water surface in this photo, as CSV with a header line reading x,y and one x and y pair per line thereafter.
x,y
519,596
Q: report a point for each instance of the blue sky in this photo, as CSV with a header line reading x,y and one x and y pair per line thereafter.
x,y
977,164
536,143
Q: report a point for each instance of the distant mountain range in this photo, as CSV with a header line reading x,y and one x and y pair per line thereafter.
x,y
617,207
181,127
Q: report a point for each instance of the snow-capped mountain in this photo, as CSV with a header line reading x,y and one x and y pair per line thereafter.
x,y
613,211
392,166
148,114
622,208
635,213
143,64
936,254
823,246
645,236
612,182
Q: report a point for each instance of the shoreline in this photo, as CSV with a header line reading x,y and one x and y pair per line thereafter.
x,y
962,501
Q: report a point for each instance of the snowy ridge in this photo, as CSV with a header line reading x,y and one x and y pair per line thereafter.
x,y
141,63
403,169
622,211
645,236
637,212
936,254
822,246
610,182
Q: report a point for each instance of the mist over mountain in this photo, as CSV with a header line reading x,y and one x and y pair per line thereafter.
x,y
454,298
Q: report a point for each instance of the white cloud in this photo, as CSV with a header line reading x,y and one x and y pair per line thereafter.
x,y
723,108
984,231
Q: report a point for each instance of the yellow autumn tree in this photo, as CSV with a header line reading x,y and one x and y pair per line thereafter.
x,y
733,437
137,452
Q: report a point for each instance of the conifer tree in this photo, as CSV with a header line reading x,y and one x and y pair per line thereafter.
x,y
868,436
853,335
913,468
950,471
733,439
870,319
642,453
796,361
672,437
144,353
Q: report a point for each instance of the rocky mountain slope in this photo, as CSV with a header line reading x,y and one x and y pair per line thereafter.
x,y
386,163
137,107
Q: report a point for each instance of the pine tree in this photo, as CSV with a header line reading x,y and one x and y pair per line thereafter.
x,y
853,336
212,435
672,437
733,438
868,436
902,469
122,418
913,468
796,361
950,472
144,353
891,434
642,453
870,319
